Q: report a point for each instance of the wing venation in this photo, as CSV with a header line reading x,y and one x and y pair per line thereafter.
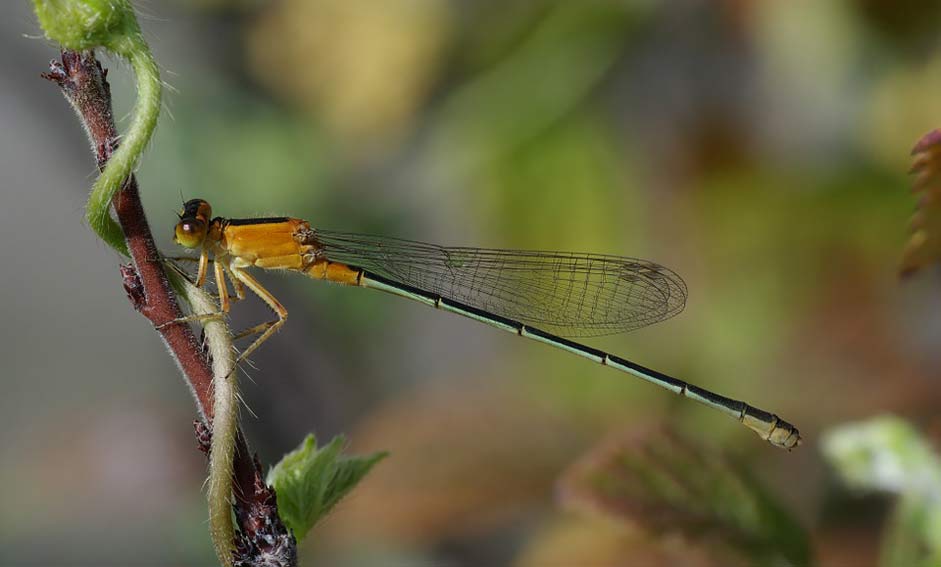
x,y
567,293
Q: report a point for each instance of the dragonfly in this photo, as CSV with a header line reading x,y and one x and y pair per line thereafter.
x,y
549,297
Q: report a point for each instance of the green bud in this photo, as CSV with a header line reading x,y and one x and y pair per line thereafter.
x,y
86,24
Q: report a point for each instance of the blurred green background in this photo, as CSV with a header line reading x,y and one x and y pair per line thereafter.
x,y
759,149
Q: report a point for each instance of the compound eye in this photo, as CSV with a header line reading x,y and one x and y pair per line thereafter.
x,y
190,232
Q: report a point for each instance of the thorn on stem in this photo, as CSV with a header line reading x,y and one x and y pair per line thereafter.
x,y
105,150
203,436
70,71
57,74
133,286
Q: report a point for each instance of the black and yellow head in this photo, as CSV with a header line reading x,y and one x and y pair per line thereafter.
x,y
194,224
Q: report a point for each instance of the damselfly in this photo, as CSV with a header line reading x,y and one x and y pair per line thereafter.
x,y
543,296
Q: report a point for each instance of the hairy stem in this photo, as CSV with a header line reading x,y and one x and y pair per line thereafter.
x,y
84,84
224,424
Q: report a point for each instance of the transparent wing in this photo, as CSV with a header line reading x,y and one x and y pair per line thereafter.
x,y
567,293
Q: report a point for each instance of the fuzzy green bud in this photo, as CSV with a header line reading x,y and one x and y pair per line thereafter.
x,y
86,24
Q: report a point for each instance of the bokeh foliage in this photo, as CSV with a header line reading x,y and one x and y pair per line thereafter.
x,y
757,148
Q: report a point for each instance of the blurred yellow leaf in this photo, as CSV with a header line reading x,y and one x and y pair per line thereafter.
x,y
602,543
899,104
924,245
361,67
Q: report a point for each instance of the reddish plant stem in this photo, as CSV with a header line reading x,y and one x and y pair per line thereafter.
x,y
84,83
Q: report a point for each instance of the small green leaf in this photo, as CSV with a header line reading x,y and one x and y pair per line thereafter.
x,y
309,481
886,454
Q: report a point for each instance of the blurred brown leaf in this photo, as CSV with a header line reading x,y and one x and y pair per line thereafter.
x,y
843,544
849,336
924,245
659,482
464,460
